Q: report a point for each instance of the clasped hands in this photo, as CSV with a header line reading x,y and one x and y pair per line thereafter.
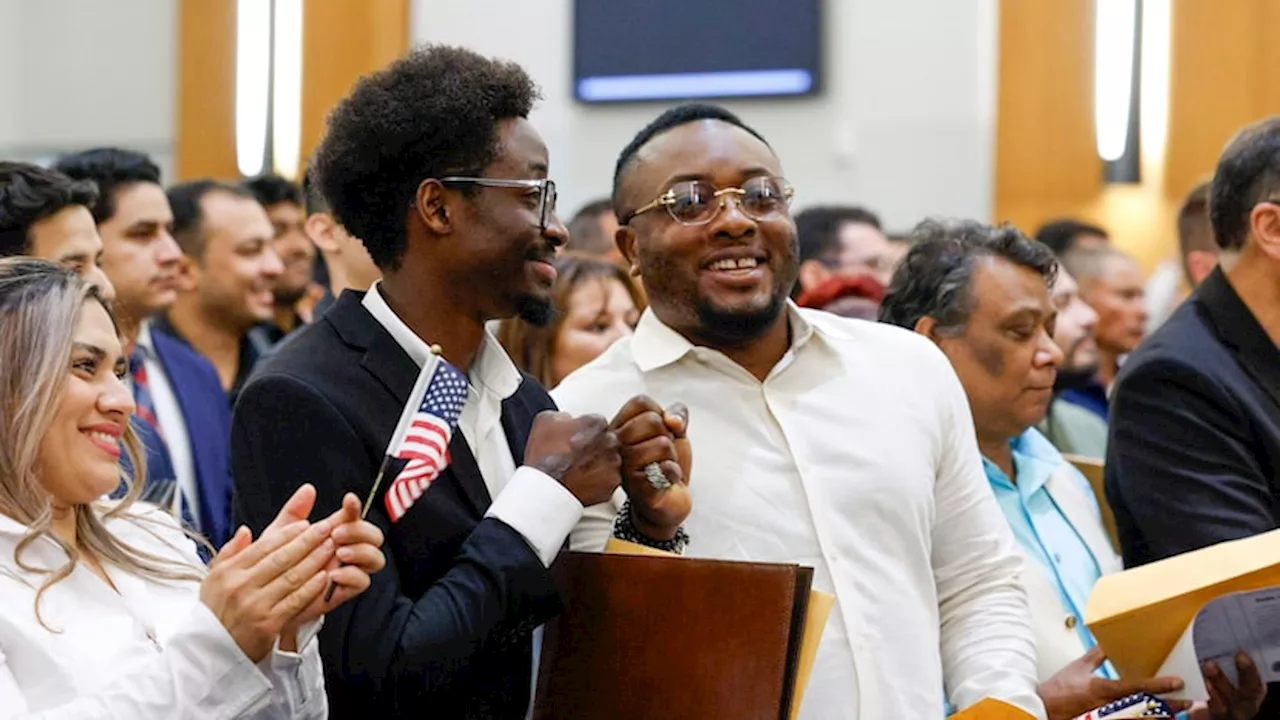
x,y
1075,690
592,457
265,590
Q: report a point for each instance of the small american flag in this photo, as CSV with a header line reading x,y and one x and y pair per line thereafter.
x,y
422,436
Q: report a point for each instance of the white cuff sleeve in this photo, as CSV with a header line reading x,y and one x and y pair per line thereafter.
x,y
539,508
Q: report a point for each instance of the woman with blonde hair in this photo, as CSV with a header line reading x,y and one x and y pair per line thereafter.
x,y
596,305
107,610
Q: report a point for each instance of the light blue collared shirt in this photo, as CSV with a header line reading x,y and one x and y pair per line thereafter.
x,y
1043,531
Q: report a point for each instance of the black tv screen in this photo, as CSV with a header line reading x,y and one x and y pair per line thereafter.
x,y
630,50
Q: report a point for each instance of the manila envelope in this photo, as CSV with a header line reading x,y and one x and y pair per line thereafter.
x,y
992,709
1137,616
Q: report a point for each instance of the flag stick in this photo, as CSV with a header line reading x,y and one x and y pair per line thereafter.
x,y
424,377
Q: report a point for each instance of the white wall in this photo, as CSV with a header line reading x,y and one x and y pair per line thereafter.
x,y
905,124
80,73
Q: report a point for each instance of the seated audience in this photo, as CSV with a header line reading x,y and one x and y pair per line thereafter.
x,y
1066,235
346,260
592,229
229,269
294,289
596,305
841,240
851,296
1200,251
45,214
846,446
1110,281
981,294
1071,428
183,417
108,610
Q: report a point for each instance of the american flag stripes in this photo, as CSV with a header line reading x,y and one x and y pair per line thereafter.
x,y
422,436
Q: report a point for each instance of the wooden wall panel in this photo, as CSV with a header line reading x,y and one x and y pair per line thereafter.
x,y
1046,162
1225,73
206,95
342,40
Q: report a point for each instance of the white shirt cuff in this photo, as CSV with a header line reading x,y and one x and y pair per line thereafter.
x,y
539,508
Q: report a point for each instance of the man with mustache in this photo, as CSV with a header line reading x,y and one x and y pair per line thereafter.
x,y
843,445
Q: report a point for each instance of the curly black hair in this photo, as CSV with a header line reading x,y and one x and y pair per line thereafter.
x,y
1248,173
935,279
29,194
433,112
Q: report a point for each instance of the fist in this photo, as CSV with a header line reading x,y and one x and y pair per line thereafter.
x,y
582,453
649,434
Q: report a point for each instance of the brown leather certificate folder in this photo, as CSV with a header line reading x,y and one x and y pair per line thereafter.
x,y
658,637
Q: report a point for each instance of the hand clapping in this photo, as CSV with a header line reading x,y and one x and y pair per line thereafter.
x,y
265,589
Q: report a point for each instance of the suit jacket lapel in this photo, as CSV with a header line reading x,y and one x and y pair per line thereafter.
x,y
1239,330
397,372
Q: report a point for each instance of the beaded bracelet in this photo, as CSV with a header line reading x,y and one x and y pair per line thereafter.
x,y
624,529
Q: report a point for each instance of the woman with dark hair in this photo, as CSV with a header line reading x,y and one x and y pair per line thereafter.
x,y
596,305
107,611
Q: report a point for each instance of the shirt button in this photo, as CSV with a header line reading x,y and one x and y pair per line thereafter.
x,y
1070,622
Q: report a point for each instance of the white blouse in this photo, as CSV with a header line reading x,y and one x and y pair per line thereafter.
x,y
152,650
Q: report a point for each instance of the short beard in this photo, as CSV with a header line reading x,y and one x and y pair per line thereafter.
x,y
537,311
735,328
288,297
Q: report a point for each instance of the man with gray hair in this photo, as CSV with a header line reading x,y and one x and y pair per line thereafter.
x,y
982,295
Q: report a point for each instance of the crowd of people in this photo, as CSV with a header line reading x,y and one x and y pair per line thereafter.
x,y
200,382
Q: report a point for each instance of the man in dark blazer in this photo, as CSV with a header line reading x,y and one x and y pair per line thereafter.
x,y
433,163
1193,457
177,390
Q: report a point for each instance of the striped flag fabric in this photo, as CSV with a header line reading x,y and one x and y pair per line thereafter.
x,y
423,434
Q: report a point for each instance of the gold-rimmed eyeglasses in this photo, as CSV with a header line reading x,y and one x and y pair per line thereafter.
x,y
696,202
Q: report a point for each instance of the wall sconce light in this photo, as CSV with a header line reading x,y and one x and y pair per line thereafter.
x,y
268,86
1117,86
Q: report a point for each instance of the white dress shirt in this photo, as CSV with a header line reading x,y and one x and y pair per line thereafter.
x,y
855,456
151,650
173,424
527,499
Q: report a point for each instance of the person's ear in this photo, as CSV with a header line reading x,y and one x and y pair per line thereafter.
x,y
625,240
1200,263
319,228
1264,228
928,327
432,206
813,274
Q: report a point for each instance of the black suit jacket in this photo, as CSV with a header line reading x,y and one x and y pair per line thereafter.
x,y
1195,431
445,629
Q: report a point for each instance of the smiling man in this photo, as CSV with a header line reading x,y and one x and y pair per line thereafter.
x,y
229,270
842,445
45,214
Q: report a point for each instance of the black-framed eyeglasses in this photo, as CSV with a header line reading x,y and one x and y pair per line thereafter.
x,y
545,186
696,202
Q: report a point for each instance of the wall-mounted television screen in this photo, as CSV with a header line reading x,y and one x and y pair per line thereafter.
x,y
635,50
